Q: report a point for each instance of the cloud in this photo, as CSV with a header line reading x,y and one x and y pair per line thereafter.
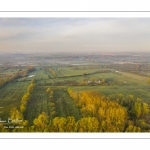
x,y
74,34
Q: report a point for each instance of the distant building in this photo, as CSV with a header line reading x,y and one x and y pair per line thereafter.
x,y
98,81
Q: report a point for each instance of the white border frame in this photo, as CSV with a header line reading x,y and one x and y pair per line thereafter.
x,y
61,14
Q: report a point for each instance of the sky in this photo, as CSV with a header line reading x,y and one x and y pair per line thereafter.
x,y
26,35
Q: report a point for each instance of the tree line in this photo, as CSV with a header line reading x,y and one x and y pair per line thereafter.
x,y
20,73
52,72
115,113
112,116
16,114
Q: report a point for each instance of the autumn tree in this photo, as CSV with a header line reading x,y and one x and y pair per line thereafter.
x,y
22,108
145,109
30,88
108,113
51,94
59,124
53,113
132,128
70,125
25,98
41,123
88,124
25,123
15,114
137,109
48,90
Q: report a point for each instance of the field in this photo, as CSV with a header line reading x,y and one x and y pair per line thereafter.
x,y
59,78
10,96
40,101
130,87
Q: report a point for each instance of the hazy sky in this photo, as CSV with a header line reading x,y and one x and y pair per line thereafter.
x,y
74,34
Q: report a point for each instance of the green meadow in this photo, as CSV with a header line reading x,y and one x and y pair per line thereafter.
x,y
60,104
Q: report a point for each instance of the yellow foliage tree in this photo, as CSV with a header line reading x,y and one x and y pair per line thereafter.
x,y
110,113
41,123
88,124
59,124
48,90
15,114
22,108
